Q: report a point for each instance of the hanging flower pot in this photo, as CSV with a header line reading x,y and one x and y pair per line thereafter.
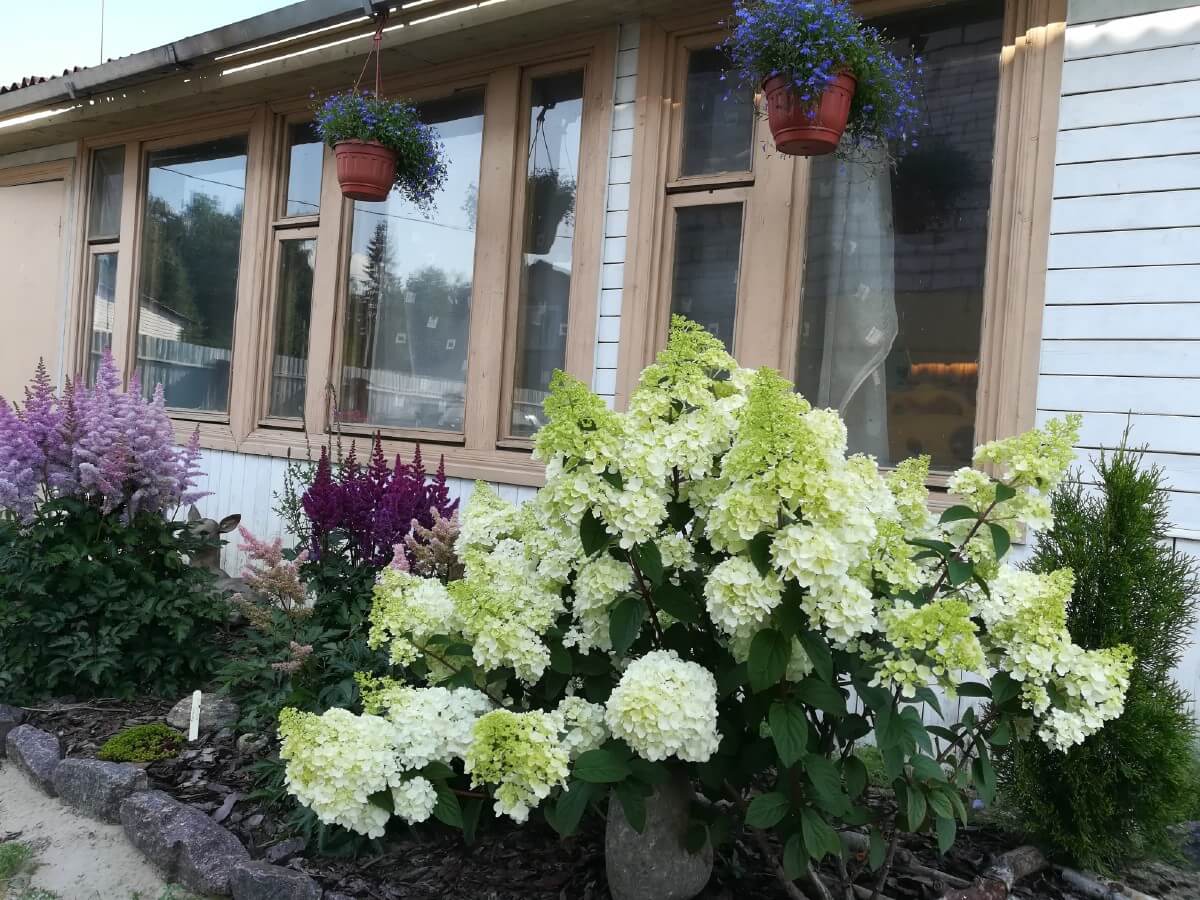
x,y
805,128
366,170
379,145
830,81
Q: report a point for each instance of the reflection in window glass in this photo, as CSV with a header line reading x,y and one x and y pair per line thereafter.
x,y
708,242
293,304
187,293
555,116
404,337
103,279
893,288
108,171
718,118
305,154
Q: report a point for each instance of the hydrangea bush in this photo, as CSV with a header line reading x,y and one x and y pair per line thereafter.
x,y
811,42
708,585
364,116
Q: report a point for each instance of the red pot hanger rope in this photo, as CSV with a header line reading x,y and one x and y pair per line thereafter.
x,y
376,41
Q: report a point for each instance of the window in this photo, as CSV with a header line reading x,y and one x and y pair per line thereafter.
x,y
885,295
272,308
894,282
187,291
103,237
412,274
548,235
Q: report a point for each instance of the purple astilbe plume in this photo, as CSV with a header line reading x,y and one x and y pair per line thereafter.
x,y
103,444
372,507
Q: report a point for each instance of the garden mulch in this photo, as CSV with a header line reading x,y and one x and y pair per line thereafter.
x,y
507,862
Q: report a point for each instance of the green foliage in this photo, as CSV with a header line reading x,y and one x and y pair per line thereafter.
x,y
95,606
1115,795
15,857
142,743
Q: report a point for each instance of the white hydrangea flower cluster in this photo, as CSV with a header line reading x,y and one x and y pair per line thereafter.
x,y
519,754
665,706
413,800
598,584
580,725
1025,616
739,599
407,611
433,724
336,761
928,644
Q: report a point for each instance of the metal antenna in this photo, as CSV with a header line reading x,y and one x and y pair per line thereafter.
x,y
101,31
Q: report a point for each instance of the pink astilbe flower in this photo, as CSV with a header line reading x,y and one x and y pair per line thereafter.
x,y
103,444
271,575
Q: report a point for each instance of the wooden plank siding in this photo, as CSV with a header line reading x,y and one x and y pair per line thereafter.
x,y
1121,329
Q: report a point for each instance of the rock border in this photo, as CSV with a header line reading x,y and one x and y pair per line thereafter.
x,y
182,842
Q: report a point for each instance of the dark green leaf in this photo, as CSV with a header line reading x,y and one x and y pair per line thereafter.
x,y
633,804
678,514
958,513
915,806
789,617
625,623
939,802
696,836
613,478
946,829
826,780
447,809
760,552
928,697
985,778
437,771
789,730
649,561
471,807
593,534
560,659
600,767
927,769
1001,539
974,689
383,799
819,837
941,548
877,852
1004,492
1000,735
960,570
569,809
1004,688
678,602
822,695
795,857
769,655
767,810
649,772
818,651
855,771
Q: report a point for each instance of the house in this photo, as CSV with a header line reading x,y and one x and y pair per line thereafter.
x,y
1035,253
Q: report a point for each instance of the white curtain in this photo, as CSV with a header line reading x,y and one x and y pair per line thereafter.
x,y
849,294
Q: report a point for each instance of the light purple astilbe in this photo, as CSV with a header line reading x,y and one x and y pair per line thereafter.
x,y
103,444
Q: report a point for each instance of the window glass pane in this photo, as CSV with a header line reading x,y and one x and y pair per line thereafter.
x,y
708,244
718,118
289,367
555,116
103,279
893,288
404,340
305,154
187,293
104,216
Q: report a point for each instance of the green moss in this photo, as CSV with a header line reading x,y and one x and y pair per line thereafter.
x,y
142,743
873,760
14,858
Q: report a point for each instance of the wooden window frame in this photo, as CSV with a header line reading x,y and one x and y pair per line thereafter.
x,y
1018,220
482,451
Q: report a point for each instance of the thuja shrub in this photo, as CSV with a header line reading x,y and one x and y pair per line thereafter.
x,y
1116,794
96,596
697,589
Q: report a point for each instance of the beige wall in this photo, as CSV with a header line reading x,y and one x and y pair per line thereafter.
x,y
31,250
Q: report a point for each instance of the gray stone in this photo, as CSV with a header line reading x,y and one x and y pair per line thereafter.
x,y
263,881
216,712
97,788
37,753
655,865
10,718
183,842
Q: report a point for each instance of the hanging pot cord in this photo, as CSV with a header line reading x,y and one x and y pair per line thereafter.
x,y
374,51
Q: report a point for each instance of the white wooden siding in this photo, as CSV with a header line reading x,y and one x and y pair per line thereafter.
x,y
1121,332
616,220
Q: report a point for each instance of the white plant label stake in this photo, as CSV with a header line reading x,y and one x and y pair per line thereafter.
x,y
194,725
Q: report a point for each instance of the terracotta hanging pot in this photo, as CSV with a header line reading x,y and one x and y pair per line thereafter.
x,y
803,128
366,170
